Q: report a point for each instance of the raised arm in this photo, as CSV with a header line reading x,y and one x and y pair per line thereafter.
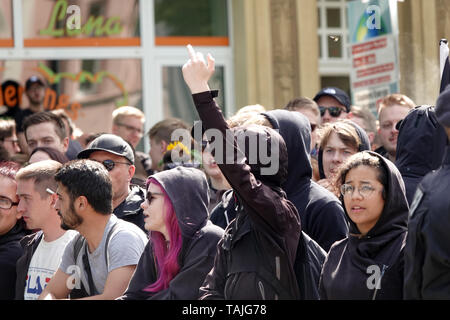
x,y
267,206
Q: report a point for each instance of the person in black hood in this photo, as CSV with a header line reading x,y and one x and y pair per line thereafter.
x,y
11,230
255,258
427,253
183,242
320,211
368,264
338,141
420,147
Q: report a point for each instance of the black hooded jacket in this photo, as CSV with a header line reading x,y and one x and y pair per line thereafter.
x,y
427,252
187,189
420,147
130,209
255,257
356,264
364,145
321,213
10,252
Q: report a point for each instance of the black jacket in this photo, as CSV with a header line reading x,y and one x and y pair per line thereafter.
x,y
187,189
354,264
321,213
29,245
427,252
10,251
225,211
130,209
255,257
420,147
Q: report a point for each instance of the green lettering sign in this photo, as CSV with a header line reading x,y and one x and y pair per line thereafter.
x,y
97,26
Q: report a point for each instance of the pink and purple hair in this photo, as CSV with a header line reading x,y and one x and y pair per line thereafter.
x,y
166,256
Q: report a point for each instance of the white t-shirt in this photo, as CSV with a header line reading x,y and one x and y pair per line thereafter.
x,y
44,263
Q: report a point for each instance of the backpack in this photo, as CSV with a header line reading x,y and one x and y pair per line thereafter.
x,y
252,271
78,244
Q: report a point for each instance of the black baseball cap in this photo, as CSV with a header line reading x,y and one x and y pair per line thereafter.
x,y
336,93
109,143
32,80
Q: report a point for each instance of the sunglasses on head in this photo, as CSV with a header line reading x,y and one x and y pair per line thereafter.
x,y
110,164
334,111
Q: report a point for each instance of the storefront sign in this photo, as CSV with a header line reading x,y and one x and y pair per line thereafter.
x,y
97,26
373,45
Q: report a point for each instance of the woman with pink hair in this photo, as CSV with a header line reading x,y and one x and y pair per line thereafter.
x,y
183,241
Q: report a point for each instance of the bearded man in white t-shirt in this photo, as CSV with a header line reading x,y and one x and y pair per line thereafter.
x,y
43,250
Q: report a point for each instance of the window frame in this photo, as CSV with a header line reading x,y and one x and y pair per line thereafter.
x,y
153,58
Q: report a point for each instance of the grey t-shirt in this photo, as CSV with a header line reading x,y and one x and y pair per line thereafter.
x,y
126,245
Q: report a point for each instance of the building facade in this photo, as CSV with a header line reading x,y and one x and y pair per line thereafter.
x,y
96,55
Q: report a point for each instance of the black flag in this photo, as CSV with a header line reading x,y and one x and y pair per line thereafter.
x,y
444,64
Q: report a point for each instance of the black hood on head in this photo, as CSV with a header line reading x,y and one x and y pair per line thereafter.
x,y
262,159
420,145
394,217
296,132
364,145
187,189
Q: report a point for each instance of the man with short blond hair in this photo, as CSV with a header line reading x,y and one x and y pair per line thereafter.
x,y
43,250
128,124
391,109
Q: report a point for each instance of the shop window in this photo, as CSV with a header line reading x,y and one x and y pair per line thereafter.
x,y
88,97
101,23
200,22
6,30
177,99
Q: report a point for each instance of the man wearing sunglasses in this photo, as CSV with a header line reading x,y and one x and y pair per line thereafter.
x,y
117,157
334,104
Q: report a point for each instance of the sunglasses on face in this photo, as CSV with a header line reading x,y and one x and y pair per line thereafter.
x,y
334,111
110,164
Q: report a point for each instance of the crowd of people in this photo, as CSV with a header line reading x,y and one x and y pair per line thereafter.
x,y
319,200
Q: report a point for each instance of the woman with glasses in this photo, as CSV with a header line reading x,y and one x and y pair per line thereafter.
x,y
11,230
183,242
338,141
368,263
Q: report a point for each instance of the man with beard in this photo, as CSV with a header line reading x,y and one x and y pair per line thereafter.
x,y
110,247
118,158
42,250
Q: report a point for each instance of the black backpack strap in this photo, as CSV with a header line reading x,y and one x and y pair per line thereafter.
x,y
108,237
87,268
82,292
77,246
